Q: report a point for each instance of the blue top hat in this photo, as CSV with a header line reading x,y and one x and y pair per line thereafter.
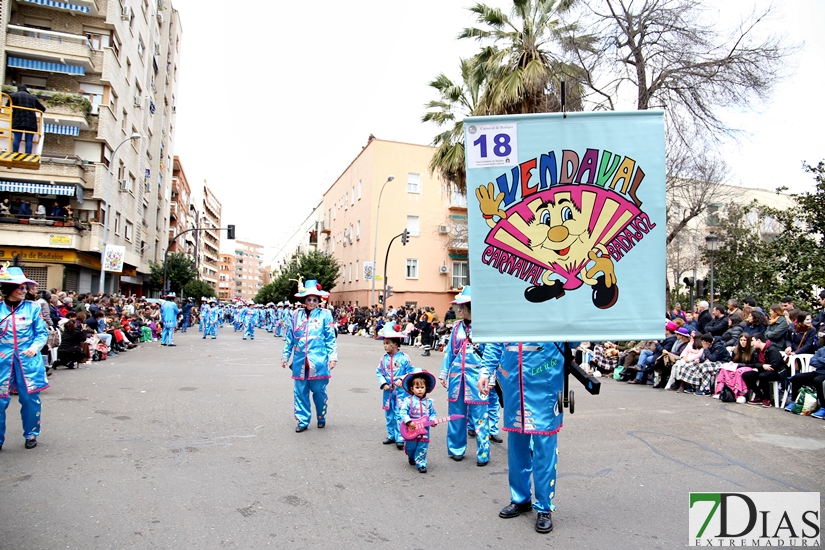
x,y
311,288
462,297
429,380
14,276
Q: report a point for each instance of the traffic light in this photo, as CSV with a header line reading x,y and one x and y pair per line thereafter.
x,y
389,291
688,281
700,287
230,232
380,298
405,236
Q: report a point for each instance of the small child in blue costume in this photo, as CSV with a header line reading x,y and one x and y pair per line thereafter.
x,y
413,407
394,366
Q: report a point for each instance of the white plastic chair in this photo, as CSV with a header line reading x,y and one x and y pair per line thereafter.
x,y
798,364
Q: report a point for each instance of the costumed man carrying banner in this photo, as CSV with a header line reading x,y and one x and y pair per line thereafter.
x,y
311,343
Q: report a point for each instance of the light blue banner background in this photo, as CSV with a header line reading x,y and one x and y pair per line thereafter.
x,y
501,311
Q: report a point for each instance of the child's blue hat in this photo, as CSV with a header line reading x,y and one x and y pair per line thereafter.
x,y
429,380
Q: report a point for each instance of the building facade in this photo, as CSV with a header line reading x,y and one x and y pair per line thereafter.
x,y
432,267
209,240
105,70
180,213
226,277
248,270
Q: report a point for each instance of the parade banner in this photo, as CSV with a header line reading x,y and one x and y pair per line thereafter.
x,y
567,226
113,258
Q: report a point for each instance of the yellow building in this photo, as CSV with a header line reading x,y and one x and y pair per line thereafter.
x,y
432,267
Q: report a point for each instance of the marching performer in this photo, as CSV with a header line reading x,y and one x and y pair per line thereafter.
x,y
23,333
311,343
531,376
415,406
169,314
393,367
459,374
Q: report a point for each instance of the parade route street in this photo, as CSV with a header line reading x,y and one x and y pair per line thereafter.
x,y
194,447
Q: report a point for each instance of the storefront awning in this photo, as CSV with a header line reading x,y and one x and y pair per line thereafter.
x,y
59,5
38,188
61,129
20,63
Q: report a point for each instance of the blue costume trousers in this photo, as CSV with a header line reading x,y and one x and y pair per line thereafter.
x,y
249,331
393,417
417,450
493,413
303,411
457,432
29,408
200,326
540,464
166,334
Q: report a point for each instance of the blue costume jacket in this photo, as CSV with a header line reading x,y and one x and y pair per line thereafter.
x,y
24,330
310,340
413,408
462,360
530,376
169,312
391,370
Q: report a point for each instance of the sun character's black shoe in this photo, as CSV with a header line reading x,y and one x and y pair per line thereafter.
x,y
603,297
542,293
31,443
513,510
300,429
544,522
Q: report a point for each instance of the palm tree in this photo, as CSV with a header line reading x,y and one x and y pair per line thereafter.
x,y
457,100
522,71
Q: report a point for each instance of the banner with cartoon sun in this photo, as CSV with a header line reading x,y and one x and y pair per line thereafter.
x,y
567,226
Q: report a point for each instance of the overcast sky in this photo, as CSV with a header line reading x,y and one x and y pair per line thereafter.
x,y
277,98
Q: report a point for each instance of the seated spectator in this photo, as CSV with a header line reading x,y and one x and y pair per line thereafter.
x,y
692,353
736,326
801,336
648,352
814,379
700,374
690,321
777,327
5,208
103,332
756,322
71,350
605,357
730,375
770,367
719,321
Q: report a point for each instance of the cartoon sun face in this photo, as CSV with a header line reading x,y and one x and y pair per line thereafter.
x,y
559,232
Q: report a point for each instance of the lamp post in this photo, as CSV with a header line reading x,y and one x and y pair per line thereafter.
x,y
712,244
106,218
375,246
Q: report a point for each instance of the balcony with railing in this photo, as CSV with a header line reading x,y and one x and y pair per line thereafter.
x,y
49,51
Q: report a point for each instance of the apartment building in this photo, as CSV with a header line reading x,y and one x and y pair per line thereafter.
x,y
304,239
181,217
248,270
432,267
209,241
105,70
226,277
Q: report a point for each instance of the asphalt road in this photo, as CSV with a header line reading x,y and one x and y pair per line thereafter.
x,y
194,447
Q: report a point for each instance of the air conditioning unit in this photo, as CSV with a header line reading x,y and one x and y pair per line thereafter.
x,y
443,229
123,185
443,269
160,18
126,14
157,48
137,100
345,242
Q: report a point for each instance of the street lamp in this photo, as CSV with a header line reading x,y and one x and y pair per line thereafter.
x,y
712,245
106,217
375,247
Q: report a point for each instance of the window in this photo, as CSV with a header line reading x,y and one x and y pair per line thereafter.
x,y
130,183
116,45
413,225
359,190
129,230
128,70
358,230
413,183
345,200
356,270
412,268
352,197
350,233
350,272
141,47
33,82
117,223
461,274
94,93
123,124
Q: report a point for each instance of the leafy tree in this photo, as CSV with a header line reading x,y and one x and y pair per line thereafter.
x,y
313,265
180,270
197,289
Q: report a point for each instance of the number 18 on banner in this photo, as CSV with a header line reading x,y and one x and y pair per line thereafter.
x,y
491,145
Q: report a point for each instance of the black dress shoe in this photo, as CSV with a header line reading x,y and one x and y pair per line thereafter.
x,y
300,429
399,446
471,433
513,510
31,443
422,470
321,425
458,458
496,439
172,345
388,441
411,461
544,522
482,463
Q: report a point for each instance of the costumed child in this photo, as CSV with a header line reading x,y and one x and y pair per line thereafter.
x,y
413,407
391,370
